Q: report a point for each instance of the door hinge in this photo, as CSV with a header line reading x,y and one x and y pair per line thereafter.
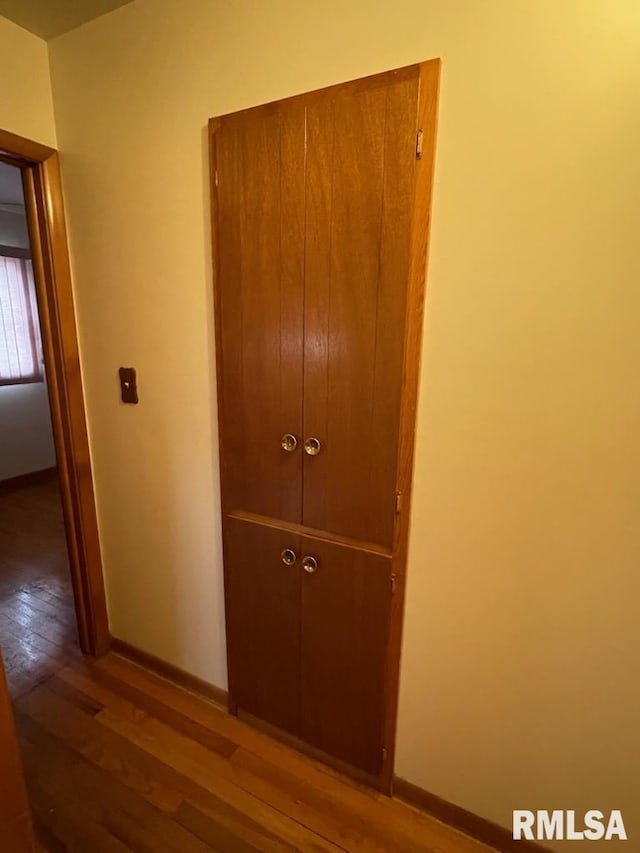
x,y
419,137
215,177
393,584
398,502
384,754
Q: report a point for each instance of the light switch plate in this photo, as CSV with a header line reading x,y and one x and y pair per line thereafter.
x,y
128,385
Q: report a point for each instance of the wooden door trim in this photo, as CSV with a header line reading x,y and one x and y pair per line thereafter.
x,y
169,672
495,837
47,230
423,189
311,532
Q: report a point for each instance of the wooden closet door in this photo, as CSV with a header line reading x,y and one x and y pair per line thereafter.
x,y
361,155
263,622
346,606
320,226
258,162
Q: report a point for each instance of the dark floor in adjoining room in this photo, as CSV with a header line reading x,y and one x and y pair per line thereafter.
x,y
37,619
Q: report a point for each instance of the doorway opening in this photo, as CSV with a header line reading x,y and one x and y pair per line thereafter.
x,y
37,627
60,501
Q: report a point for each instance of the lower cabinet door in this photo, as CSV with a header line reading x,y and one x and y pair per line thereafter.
x,y
346,606
262,588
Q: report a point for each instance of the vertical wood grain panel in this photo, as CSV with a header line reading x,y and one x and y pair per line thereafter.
x,y
345,627
360,164
260,202
395,234
263,622
319,206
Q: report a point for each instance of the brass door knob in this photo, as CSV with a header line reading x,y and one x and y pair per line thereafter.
x,y
309,564
288,557
312,446
289,442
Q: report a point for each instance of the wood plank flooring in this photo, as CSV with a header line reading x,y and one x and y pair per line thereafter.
x,y
37,618
119,759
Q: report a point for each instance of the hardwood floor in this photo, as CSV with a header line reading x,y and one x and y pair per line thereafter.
x,y
37,617
117,758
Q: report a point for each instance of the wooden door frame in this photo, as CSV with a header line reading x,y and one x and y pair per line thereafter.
x,y
426,129
42,183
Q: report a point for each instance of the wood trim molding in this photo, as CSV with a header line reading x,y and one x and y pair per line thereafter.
x,y
20,150
429,85
24,380
45,475
15,252
482,830
170,672
309,532
47,229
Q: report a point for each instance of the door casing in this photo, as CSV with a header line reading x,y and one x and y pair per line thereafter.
x,y
42,184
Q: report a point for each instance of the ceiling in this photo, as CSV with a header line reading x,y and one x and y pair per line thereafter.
x,y
51,18
10,185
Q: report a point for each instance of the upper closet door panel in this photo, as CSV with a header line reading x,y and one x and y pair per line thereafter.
x,y
259,160
359,198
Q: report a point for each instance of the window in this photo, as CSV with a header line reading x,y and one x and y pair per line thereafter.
x,y
20,344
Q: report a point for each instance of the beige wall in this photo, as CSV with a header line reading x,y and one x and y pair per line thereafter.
x,y
26,442
520,676
25,87
13,227
26,435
